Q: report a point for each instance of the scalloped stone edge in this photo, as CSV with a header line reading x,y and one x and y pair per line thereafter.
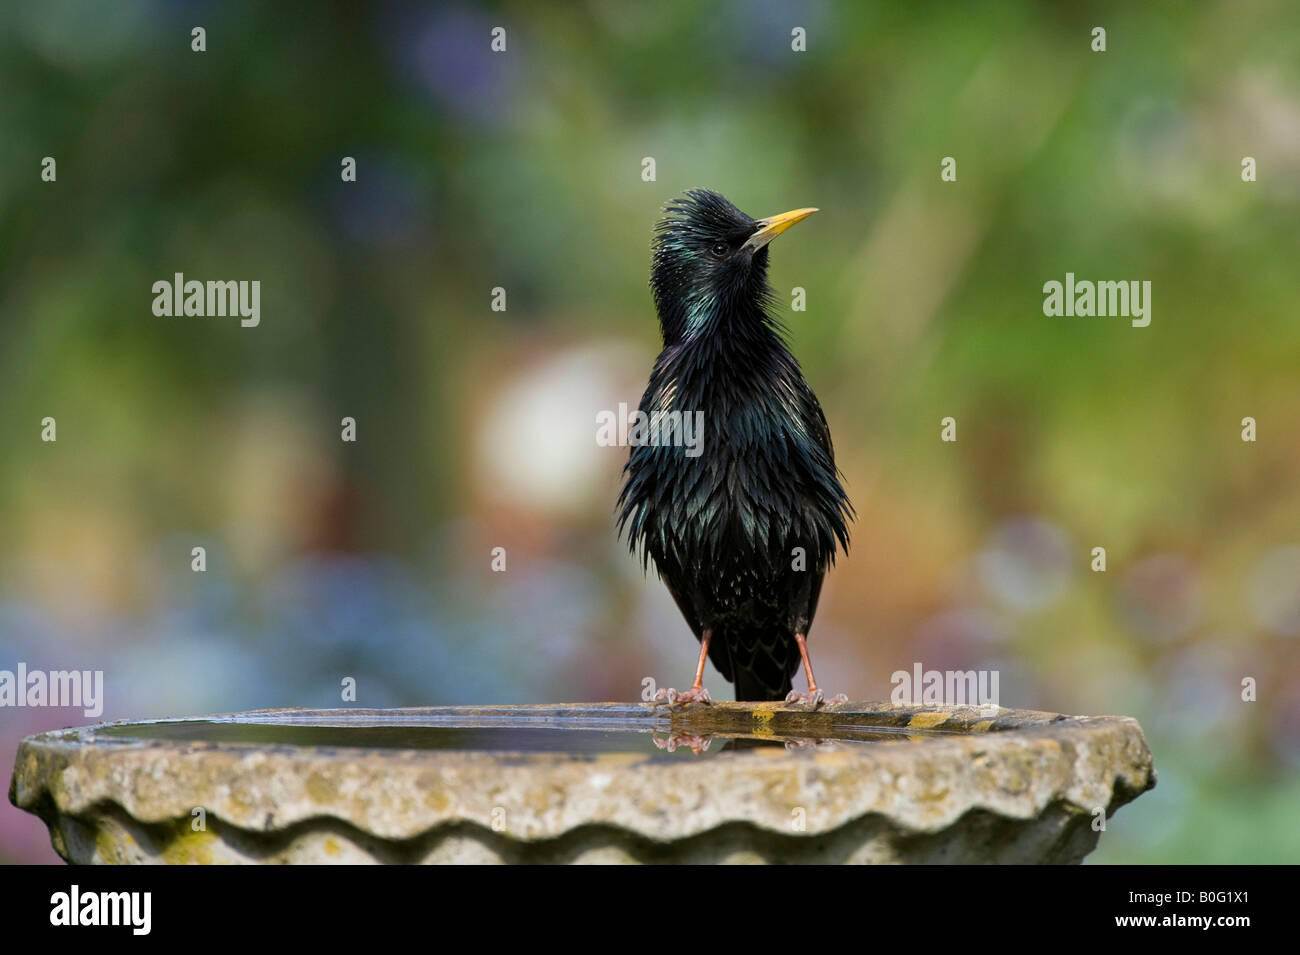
x,y
1022,786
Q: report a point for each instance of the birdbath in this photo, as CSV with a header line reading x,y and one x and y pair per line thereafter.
x,y
605,783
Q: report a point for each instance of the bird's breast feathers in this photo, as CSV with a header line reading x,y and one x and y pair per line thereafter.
x,y
758,480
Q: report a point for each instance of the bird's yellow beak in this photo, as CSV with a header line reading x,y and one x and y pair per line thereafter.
x,y
772,226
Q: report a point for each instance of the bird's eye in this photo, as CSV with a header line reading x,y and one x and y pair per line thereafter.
x,y
720,249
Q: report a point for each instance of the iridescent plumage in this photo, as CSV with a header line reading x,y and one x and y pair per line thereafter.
x,y
728,530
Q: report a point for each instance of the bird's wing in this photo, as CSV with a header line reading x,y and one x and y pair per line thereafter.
x,y
811,413
832,502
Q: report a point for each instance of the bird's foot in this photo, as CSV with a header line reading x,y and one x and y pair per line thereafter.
x,y
696,694
698,744
814,698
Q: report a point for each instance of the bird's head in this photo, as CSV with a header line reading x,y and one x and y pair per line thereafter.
x,y
710,263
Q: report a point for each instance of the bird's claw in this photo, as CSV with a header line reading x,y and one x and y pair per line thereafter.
x,y
814,698
698,744
696,694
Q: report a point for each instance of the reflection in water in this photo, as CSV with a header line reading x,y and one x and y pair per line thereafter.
x,y
696,744
621,737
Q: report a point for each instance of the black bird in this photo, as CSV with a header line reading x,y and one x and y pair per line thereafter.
x,y
742,532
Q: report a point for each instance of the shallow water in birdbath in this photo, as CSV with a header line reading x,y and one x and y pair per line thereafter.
x,y
632,729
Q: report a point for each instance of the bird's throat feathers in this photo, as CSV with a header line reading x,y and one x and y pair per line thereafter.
x,y
731,308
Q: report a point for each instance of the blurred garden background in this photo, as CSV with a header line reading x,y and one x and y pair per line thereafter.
x,y
476,428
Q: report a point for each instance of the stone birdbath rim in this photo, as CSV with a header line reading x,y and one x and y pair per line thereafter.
x,y
949,761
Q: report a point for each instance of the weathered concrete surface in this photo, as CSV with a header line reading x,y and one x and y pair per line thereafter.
x,y
1019,787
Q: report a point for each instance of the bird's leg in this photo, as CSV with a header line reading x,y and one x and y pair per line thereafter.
x,y
697,693
815,696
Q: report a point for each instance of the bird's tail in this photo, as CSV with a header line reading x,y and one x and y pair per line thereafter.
x,y
751,687
763,666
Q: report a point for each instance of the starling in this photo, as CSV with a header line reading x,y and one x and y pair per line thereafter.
x,y
742,527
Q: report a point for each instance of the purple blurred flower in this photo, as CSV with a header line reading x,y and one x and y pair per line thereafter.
x,y
447,53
